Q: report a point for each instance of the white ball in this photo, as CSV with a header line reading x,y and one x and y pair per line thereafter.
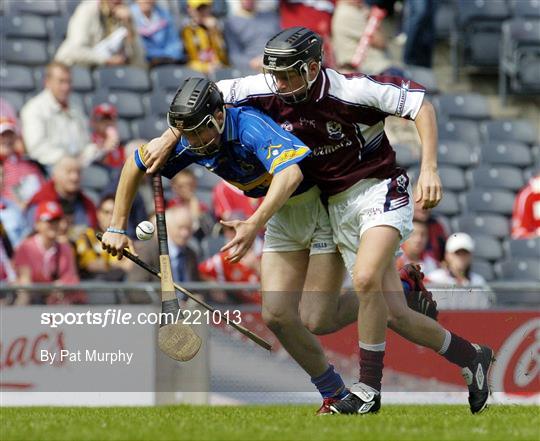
x,y
145,230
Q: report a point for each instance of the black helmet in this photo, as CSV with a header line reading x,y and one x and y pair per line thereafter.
x,y
292,46
192,111
195,100
292,49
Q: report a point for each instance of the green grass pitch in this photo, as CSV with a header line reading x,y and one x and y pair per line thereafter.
x,y
268,423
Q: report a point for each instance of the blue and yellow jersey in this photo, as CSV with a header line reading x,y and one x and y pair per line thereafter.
x,y
253,148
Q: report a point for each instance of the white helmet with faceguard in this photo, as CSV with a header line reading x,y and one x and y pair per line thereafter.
x,y
291,50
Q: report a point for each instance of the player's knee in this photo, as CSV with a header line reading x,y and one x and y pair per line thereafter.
x,y
367,282
278,321
316,324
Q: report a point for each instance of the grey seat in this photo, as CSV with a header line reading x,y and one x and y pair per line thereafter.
x,y
226,73
491,224
487,247
484,268
204,195
128,104
525,8
423,76
490,201
148,128
525,248
506,153
81,79
211,245
27,51
127,78
57,29
18,78
94,177
41,7
517,130
456,153
170,77
463,106
503,177
449,205
14,98
525,270
460,131
160,102
406,156
124,130
452,178
25,26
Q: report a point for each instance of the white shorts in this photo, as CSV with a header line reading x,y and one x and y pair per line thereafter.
x,y
301,224
370,203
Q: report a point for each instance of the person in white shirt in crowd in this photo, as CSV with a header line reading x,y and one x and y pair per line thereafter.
x,y
52,127
456,273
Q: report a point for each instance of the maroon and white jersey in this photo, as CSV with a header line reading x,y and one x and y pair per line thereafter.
x,y
342,122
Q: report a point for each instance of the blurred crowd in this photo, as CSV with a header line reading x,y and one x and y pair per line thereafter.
x,y
49,222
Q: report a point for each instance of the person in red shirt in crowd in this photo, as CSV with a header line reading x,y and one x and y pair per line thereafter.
x,y
415,249
437,231
65,188
526,213
227,198
42,259
183,185
219,269
21,178
105,136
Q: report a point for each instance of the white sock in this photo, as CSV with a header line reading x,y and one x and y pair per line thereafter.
x,y
379,347
446,343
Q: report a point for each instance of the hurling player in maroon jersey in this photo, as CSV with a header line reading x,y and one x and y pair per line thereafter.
x,y
370,202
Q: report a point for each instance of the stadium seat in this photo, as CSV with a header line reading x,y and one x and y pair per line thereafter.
x,y
124,131
452,178
81,78
206,180
226,73
484,268
487,247
449,205
148,128
41,7
460,131
424,76
25,51
14,98
524,270
204,195
25,26
70,6
506,153
490,224
525,8
406,156
490,201
77,100
94,177
518,130
211,245
477,33
444,17
462,106
128,104
160,101
57,27
18,78
456,153
525,248
169,78
128,78
504,177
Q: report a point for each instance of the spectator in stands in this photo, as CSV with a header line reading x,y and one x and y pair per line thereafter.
x,y
158,32
348,24
42,259
101,33
246,32
65,188
13,221
8,113
415,249
526,213
437,231
93,261
21,178
105,136
218,268
203,38
52,128
227,199
183,258
419,25
184,186
7,270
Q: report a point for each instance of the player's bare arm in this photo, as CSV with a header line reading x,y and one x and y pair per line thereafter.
x,y
283,185
114,240
158,149
429,187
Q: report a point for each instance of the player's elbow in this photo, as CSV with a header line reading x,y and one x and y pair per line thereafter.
x,y
295,176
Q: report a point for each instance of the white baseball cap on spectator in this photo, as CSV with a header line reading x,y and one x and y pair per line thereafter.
x,y
459,241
